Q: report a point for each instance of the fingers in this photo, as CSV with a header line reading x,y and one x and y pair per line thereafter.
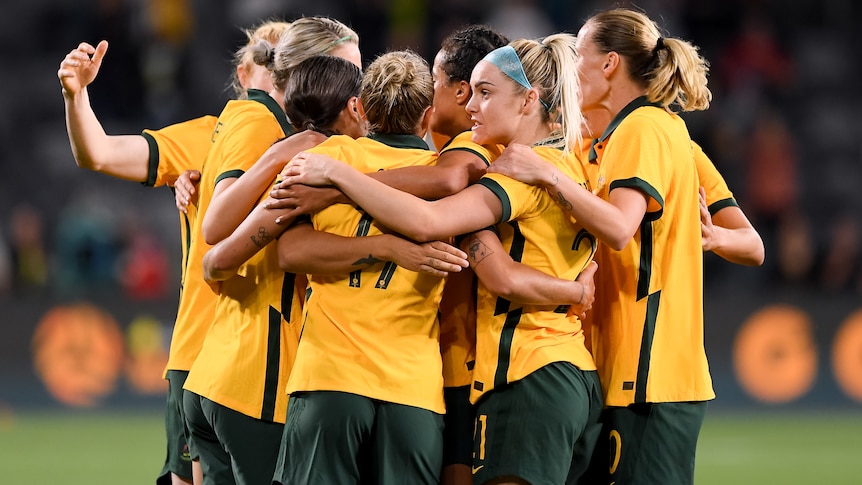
x,y
460,257
99,52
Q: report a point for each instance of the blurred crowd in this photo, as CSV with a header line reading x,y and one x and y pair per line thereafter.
x,y
783,127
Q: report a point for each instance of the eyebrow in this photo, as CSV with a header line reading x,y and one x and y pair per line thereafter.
x,y
481,83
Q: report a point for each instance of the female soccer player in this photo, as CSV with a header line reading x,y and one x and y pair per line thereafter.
x,y
246,129
648,333
155,158
534,383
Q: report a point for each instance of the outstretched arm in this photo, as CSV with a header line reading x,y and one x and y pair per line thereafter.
x,y
614,222
469,210
729,234
302,249
121,156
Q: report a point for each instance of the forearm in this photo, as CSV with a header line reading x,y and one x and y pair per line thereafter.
x,y
614,223
533,287
318,252
252,235
228,208
426,182
400,211
512,280
740,246
122,156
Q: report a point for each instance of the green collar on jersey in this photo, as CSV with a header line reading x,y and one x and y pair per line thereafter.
x,y
633,105
265,99
399,141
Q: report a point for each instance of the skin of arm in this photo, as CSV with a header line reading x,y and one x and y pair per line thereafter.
x,y
304,250
315,252
729,234
454,170
404,213
233,199
522,284
613,222
121,156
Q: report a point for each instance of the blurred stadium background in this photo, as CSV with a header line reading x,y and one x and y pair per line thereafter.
x,y
89,265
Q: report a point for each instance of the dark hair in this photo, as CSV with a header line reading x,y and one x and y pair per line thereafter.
x,y
317,90
466,47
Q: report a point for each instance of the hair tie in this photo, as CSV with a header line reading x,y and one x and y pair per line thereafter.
x,y
507,60
659,45
338,41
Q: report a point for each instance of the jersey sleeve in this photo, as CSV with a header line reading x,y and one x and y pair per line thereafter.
x,y
718,194
641,160
177,148
518,199
252,133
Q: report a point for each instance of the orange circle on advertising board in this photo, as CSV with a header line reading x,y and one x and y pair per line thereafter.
x,y
847,356
78,353
774,354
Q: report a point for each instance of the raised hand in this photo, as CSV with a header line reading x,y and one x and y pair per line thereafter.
x,y
80,67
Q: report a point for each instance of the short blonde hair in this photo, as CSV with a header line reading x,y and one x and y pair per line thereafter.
x,y
396,90
268,32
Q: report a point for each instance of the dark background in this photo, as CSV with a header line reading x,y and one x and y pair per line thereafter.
x,y
783,129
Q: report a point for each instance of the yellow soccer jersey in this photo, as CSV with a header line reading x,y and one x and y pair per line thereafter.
x,y
458,307
513,341
464,141
647,336
174,150
718,195
245,129
177,148
372,332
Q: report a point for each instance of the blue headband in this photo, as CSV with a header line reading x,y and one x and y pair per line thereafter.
x,y
507,60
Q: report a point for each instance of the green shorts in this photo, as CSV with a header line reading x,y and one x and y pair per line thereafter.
x,y
458,423
233,448
649,443
178,460
338,437
540,429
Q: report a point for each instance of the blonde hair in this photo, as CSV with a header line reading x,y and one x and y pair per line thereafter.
x,y
306,37
671,69
267,33
549,64
396,90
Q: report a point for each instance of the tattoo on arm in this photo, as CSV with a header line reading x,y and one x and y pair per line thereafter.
x,y
555,179
477,251
368,260
565,204
262,238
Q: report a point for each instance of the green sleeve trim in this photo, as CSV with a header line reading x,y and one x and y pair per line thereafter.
x,y
501,194
721,204
153,162
470,150
230,174
643,186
